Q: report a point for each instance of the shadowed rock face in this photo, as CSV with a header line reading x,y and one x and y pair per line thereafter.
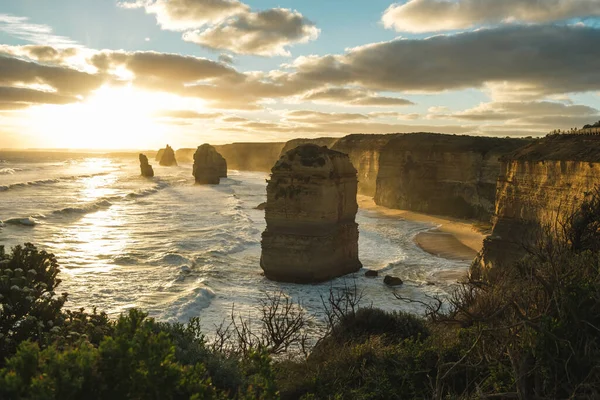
x,y
159,155
442,174
539,184
311,233
146,168
168,157
209,165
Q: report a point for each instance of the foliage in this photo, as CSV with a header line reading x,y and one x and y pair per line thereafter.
x,y
529,330
137,361
29,306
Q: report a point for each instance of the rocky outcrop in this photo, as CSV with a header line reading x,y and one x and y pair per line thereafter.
x,y
159,155
146,168
250,156
311,233
168,157
209,165
392,280
322,141
442,174
539,184
364,152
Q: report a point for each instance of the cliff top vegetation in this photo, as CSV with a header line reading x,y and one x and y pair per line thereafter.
x,y
594,125
427,141
559,147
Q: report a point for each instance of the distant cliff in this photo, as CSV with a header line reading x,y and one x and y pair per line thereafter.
x,y
322,141
442,174
539,184
251,156
425,172
364,152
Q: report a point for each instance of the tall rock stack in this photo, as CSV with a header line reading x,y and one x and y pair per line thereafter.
x,y
209,165
311,233
168,157
146,168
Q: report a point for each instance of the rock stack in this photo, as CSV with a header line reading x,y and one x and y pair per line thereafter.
x,y
209,165
311,233
168,157
146,168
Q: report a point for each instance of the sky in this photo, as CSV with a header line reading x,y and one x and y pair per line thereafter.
x,y
136,74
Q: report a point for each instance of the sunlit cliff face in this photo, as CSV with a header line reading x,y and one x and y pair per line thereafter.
x,y
144,73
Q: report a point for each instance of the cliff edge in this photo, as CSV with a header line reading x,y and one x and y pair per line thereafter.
x,y
539,185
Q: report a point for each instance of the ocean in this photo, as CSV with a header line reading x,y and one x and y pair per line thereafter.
x,y
179,250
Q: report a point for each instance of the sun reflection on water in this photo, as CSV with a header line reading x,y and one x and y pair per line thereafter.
x,y
93,240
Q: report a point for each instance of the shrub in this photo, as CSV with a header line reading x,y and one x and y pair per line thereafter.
x,y
29,306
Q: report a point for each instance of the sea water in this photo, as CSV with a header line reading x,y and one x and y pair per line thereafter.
x,y
179,250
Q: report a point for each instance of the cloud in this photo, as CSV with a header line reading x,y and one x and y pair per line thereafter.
x,y
226,59
265,33
564,60
181,15
394,114
31,96
356,97
63,80
235,119
171,73
186,114
317,117
420,16
230,25
21,28
502,111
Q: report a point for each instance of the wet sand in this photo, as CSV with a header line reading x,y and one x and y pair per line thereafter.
x,y
451,238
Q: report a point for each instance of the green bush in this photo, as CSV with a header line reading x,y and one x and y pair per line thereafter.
x,y
137,361
30,309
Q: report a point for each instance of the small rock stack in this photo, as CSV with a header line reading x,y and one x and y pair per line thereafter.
x,y
168,157
146,168
209,165
311,233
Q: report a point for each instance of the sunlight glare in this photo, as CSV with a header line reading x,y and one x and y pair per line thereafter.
x,y
112,118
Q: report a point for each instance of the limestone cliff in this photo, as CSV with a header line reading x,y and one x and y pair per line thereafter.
x,y
159,154
168,157
442,174
539,184
364,151
322,141
311,233
185,155
209,165
145,167
250,156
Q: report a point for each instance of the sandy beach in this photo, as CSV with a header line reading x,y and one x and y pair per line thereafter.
x,y
452,238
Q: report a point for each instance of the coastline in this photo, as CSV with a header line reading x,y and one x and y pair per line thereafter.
x,y
452,238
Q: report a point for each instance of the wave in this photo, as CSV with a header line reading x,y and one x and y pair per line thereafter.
x,y
9,171
28,221
147,192
188,304
41,182
91,207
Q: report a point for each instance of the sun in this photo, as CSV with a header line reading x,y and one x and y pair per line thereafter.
x,y
120,117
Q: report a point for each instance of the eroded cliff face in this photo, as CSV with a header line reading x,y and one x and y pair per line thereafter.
x,y
311,233
251,156
364,152
209,165
168,157
322,141
442,174
539,185
145,167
